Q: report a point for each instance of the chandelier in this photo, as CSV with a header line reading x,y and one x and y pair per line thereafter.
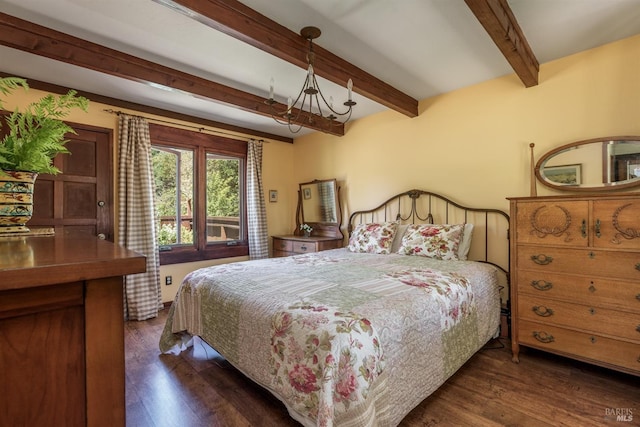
x,y
310,101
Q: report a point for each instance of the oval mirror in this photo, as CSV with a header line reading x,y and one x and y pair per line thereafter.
x,y
599,164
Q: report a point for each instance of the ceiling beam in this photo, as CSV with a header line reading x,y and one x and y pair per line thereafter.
x,y
498,20
29,37
239,21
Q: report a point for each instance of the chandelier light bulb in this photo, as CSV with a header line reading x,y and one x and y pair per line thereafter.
x,y
271,84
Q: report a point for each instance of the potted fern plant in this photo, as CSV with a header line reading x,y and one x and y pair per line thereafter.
x,y
33,137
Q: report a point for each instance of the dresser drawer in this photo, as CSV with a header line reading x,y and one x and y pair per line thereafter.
x,y
602,291
552,222
617,223
589,347
619,265
304,247
587,318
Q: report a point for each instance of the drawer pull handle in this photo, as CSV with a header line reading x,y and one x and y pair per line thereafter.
x,y
542,259
593,340
592,311
542,311
543,337
598,234
638,328
638,297
592,288
583,229
304,248
638,266
545,286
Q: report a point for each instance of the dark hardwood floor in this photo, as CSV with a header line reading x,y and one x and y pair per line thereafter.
x,y
201,389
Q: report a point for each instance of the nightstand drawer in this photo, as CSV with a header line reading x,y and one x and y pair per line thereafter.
x,y
282,245
304,247
294,245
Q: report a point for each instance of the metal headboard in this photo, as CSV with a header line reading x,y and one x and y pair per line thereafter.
x,y
424,207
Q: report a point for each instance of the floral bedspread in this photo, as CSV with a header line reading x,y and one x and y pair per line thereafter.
x,y
342,338
323,361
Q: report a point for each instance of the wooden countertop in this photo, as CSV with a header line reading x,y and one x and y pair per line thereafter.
x,y
47,260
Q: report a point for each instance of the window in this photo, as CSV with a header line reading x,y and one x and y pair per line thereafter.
x,y
199,195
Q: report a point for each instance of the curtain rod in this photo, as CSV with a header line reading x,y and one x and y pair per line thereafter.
x,y
199,128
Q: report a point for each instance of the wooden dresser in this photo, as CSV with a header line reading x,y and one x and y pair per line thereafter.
x,y
293,245
62,331
575,285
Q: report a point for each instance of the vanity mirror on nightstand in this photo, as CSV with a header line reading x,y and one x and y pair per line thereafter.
x,y
318,207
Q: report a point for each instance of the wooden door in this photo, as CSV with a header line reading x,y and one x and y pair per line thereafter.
x,y
78,201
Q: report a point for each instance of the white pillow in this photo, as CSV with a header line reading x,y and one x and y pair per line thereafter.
x,y
397,241
465,243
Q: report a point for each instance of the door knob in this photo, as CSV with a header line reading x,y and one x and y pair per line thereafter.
x,y
101,203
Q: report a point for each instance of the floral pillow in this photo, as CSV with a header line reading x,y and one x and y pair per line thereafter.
x,y
373,238
433,241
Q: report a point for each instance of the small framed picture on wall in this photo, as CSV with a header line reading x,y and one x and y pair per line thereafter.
x,y
273,196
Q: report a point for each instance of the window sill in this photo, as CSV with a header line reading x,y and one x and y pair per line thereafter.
x,y
180,255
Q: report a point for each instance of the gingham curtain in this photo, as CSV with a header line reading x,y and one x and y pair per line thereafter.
x,y
256,210
136,230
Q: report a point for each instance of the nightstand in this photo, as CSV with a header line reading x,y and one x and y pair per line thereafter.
x,y
293,245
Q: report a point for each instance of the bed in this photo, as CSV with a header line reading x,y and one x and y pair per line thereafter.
x,y
357,336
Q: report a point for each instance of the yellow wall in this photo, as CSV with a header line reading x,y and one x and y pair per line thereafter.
x,y
473,144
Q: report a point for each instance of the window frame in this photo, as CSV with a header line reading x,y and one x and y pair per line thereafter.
x,y
201,144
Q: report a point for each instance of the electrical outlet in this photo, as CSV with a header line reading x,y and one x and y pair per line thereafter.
x,y
168,280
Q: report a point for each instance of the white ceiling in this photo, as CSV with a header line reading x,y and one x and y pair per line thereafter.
x,y
421,47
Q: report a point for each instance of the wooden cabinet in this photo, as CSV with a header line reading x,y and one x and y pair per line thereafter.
x,y
62,331
575,285
292,245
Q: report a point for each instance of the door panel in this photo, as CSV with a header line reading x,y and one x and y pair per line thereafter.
x,y
80,200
